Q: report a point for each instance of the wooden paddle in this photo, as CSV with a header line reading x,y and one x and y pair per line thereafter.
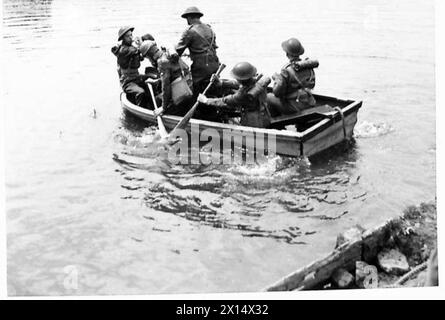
x,y
162,131
184,121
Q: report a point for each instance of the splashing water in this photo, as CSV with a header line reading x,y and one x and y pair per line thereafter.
x,y
367,129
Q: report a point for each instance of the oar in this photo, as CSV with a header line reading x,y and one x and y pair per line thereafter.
x,y
184,121
163,133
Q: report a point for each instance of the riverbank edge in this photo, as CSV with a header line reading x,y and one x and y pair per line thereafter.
x,y
357,257
418,246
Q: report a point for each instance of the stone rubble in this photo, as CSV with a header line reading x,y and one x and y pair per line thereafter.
x,y
392,261
366,275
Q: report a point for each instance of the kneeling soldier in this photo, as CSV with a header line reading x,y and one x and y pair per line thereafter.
x,y
292,87
175,78
250,96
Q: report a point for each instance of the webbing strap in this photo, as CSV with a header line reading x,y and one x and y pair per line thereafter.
x,y
210,44
294,74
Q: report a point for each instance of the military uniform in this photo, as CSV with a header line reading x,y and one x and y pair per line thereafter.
x,y
169,70
132,83
254,112
291,91
199,38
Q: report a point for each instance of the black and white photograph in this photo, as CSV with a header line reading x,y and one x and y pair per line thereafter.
x,y
164,147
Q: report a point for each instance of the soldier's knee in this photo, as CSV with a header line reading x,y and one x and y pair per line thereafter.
x,y
134,89
139,91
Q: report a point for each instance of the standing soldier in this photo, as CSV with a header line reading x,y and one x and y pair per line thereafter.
x,y
129,60
250,98
200,40
292,87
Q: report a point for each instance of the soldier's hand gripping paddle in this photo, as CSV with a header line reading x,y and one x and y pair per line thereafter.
x,y
184,121
162,131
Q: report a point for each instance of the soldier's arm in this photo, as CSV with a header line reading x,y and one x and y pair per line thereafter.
x,y
279,87
222,87
133,51
129,51
214,43
231,101
183,43
216,102
214,38
164,71
229,84
220,84
115,49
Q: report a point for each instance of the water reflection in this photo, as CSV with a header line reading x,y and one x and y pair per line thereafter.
x,y
132,123
24,21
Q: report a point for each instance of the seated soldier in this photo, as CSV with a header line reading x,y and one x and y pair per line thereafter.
x,y
292,87
250,97
115,49
129,61
172,70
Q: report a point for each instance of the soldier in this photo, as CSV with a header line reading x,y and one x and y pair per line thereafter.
x,y
200,40
250,97
129,60
171,69
292,87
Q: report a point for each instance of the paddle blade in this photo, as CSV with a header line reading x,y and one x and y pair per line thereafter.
x,y
162,131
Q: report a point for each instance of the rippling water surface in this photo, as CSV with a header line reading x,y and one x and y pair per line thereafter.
x,y
90,192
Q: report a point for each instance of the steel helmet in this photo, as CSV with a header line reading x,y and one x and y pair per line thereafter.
x,y
192,10
293,47
146,46
147,36
123,31
243,71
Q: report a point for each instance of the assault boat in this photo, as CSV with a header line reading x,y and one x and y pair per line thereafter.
x,y
330,122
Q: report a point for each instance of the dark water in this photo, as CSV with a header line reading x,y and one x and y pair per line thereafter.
x,y
90,192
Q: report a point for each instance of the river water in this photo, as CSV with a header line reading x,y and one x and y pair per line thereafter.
x,y
91,208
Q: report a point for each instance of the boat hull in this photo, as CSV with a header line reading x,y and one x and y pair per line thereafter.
x,y
317,138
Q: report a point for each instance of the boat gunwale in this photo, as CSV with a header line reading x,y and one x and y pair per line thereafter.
x,y
352,106
217,125
335,116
